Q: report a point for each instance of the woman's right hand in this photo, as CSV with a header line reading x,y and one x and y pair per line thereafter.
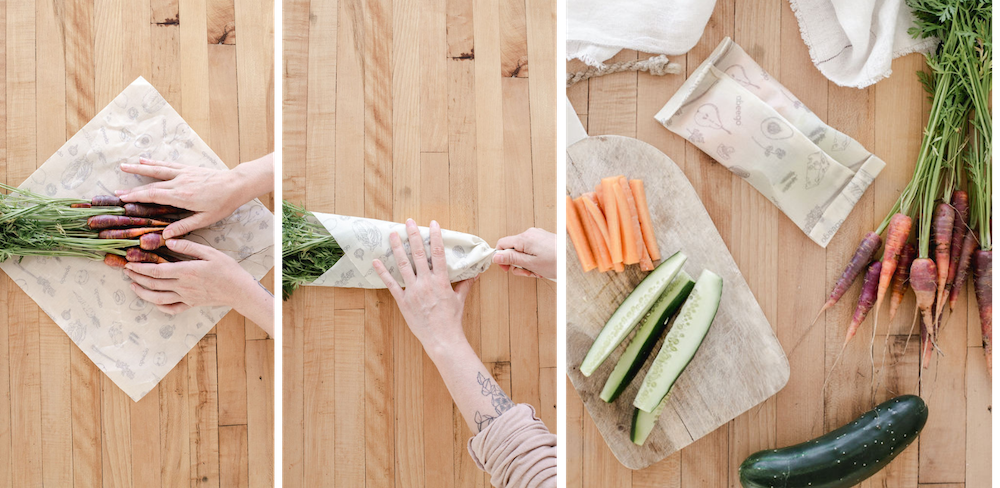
x,y
531,253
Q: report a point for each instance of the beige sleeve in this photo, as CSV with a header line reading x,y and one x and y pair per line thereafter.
x,y
517,450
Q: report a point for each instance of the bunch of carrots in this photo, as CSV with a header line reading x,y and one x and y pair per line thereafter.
x,y
611,228
952,225
101,228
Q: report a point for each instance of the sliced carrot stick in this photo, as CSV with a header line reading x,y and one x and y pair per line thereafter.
x,y
648,234
597,242
630,248
598,216
599,197
574,228
633,221
611,215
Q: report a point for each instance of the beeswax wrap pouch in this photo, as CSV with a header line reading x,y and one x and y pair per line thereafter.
x,y
364,240
737,113
128,339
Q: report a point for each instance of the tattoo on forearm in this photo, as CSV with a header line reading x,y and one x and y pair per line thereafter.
x,y
499,399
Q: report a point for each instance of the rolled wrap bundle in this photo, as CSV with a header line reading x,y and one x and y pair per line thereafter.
x,y
364,240
734,111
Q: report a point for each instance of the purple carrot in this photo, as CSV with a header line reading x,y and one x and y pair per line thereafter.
x,y
866,300
152,241
147,210
106,201
136,255
901,280
983,283
969,245
960,201
862,256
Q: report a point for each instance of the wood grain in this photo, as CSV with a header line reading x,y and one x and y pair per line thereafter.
x,y
740,363
68,425
887,118
397,109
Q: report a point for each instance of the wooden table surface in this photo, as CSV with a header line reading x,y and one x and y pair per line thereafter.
x,y
431,109
791,276
210,422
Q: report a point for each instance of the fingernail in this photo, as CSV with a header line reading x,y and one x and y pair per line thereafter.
x,y
499,258
126,165
435,223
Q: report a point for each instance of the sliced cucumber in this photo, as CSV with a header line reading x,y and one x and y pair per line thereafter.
x,y
630,311
654,323
643,422
682,342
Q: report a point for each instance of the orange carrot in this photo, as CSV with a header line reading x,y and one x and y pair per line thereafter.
x,y
152,242
865,300
629,225
127,233
648,235
111,221
145,210
79,205
923,272
901,281
594,236
598,216
944,224
897,234
574,228
115,261
645,263
106,201
137,255
611,214
599,196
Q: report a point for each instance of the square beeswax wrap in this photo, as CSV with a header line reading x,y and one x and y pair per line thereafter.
x,y
131,341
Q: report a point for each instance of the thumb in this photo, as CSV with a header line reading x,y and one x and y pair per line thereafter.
x,y
190,248
510,257
185,225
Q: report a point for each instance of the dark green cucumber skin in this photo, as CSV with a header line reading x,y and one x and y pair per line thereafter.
x,y
862,447
647,348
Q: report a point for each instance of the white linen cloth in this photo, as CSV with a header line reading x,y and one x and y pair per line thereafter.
x,y
597,29
736,112
129,339
853,42
364,240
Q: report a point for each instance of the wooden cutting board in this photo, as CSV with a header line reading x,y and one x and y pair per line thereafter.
x,y
740,364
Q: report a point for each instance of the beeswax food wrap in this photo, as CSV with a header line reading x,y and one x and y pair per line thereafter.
x,y
737,113
364,240
128,339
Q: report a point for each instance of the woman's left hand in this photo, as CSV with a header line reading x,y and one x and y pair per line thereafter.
x,y
212,279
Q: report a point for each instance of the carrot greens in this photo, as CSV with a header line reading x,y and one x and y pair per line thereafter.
x,y
308,249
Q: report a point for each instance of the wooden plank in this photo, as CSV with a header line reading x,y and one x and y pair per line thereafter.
x,y
85,388
349,161
255,76
203,413
540,21
260,413
492,219
195,103
573,438
135,40
224,106
116,436
378,401
664,474
439,450
600,467
978,420
295,66
319,378
349,386
145,433
433,76
23,345
520,216
54,344
221,20
175,445
234,462
321,120
460,30
513,40
165,57
612,100
293,390
164,12
548,405
232,370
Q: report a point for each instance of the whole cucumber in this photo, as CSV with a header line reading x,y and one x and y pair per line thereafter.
x,y
843,457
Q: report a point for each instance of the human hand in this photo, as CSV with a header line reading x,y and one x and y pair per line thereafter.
x,y
213,279
531,253
432,309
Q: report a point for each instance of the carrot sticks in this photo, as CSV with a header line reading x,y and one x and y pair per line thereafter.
x,y
648,236
594,236
574,228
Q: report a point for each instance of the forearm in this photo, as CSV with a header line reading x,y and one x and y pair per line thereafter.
x,y
256,303
472,387
255,178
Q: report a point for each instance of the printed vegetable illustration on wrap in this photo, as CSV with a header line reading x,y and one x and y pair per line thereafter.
x,y
338,250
